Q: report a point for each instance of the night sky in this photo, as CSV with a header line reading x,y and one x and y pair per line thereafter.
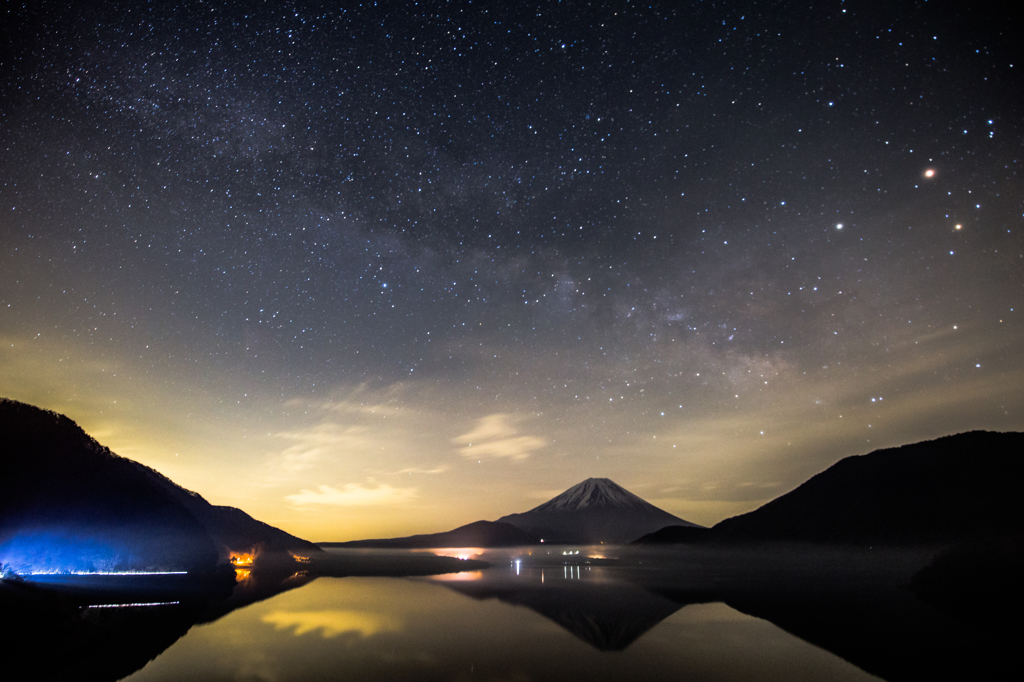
x,y
370,269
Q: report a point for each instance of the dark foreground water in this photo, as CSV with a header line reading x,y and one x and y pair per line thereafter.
x,y
533,615
415,629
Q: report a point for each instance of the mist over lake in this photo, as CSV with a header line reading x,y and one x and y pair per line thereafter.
x,y
552,613
401,629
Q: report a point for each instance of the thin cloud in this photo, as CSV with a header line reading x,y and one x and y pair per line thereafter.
x,y
495,436
324,441
353,495
436,470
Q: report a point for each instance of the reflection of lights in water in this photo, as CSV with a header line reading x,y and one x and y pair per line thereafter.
x,y
242,561
464,576
129,606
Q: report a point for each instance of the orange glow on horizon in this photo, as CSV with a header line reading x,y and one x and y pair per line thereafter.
x,y
463,553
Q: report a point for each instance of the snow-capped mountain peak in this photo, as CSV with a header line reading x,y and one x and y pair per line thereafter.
x,y
591,494
596,510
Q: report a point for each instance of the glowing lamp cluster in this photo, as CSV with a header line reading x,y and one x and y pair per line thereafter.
x,y
243,562
242,559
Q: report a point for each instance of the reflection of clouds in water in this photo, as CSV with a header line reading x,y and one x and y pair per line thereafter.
x,y
333,623
396,629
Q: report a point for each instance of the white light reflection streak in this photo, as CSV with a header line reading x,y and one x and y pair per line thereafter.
x,y
126,606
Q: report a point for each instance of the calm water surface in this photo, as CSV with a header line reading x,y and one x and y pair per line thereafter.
x,y
500,624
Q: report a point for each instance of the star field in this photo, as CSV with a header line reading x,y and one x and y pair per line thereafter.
x,y
340,266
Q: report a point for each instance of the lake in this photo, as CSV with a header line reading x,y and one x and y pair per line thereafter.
x,y
440,629
547,613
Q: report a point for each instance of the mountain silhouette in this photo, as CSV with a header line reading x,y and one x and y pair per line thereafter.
x,y
67,503
675,535
952,489
594,511
477,534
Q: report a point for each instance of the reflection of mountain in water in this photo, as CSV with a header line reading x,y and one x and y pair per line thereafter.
x,y
889,632
852,602
609,614
51,629
61,626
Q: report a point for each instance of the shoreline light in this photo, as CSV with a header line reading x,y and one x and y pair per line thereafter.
x,y
107,573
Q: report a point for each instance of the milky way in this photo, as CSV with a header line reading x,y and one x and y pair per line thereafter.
x,y
391,266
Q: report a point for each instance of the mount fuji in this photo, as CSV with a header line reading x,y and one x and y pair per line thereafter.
x,y
596,510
